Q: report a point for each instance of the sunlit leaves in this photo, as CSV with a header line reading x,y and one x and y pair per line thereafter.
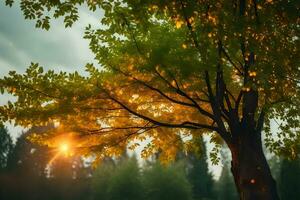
x,y
153,55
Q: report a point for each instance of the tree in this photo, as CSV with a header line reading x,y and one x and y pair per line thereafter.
x,y
166,183
6,146
62,180
158,59
198,173
118,181
26,161
29,158
101,179
125,183
225,186
288,180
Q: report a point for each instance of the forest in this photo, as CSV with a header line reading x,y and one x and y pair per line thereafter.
x,y
26,174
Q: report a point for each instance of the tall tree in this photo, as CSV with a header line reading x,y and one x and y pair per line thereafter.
x,y
158,60
125,182
225,185
166,182
6,146
198,172
27,161
288,180
101,179
120,181
28,158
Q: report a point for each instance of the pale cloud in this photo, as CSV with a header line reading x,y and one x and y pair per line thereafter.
x,y
5,67
59,48
10,55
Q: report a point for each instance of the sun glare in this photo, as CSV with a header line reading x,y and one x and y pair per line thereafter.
x,y
64,147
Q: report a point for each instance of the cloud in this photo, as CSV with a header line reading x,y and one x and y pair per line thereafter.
x,y
59,48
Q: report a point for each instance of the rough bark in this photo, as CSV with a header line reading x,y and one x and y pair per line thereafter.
x,y
250,169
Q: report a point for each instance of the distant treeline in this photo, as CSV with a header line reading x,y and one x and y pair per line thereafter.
x,y
25,174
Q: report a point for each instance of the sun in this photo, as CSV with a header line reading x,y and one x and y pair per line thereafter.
x,y
64,148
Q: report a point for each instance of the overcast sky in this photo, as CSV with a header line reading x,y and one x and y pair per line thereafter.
x,y
59,48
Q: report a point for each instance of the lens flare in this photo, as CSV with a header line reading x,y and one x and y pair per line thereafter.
x,y
64,147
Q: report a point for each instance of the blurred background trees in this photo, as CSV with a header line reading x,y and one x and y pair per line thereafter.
x,y
26,174
166,182
198,174
225,188
6,146
288,179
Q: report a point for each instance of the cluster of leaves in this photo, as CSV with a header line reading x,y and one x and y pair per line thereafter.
x,y
156,58
42,11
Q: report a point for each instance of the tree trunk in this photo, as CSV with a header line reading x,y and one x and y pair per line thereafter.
x,y
250,169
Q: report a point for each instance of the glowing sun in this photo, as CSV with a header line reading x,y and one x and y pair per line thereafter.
x,y
64,147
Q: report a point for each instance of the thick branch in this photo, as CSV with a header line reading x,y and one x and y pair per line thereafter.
x,y
260,121
238,100
231,62
186,124
216,110
182,93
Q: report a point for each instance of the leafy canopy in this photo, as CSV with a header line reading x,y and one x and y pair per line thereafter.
x,y
158,63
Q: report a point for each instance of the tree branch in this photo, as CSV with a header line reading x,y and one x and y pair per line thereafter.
x,y
260,121
217,113
186,124
231,62
182,93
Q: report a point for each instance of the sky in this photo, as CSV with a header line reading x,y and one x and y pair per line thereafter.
x,y
59,48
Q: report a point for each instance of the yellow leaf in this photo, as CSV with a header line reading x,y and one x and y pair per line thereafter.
x,y
179,23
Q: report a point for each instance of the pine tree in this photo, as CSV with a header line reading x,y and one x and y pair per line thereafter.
x,y
288,180
198,174
6,146
26,162
101,179
166,182
225,186
125,183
